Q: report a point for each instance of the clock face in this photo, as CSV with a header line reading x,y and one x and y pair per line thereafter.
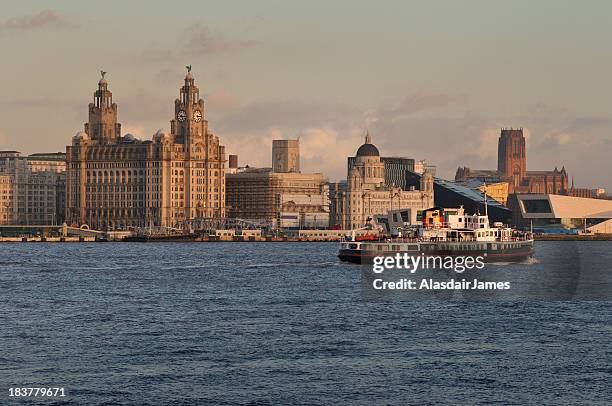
x,y
181,115
197,116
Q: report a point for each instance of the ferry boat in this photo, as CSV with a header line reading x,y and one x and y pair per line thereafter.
x,y
456,234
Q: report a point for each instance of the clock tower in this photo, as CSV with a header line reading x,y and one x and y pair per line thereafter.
x,y
189,125
102,125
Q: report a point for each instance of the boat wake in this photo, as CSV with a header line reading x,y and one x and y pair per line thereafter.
x,y
276,265
529,261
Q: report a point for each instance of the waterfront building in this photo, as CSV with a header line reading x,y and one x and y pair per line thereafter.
x,y
599,193
283,199
116,181
423,166
582,192
32,188
336,203
512,168
551,213
395,169
286,156
368,194
495,190
232,166
6,199
454,195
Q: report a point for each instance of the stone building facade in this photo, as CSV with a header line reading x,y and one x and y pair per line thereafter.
x,y
366,193
32,188
6,199
286,156
512,168
117,181
396,169
282,198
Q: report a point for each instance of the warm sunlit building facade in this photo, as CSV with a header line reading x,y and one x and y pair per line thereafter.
x,y
32,188
366,193
117,181
281,196
512,168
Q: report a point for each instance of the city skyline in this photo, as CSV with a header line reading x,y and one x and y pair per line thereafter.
x,y
276,71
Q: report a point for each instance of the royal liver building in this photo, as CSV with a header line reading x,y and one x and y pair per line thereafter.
x,y
116,182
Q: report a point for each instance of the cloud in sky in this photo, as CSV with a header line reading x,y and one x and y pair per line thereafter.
x,y
42,19
221,101
38,102
156,55
201,41
419,102
324,149
433,126
295,114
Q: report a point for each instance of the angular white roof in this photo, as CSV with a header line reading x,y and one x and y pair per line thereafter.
x,y
568,207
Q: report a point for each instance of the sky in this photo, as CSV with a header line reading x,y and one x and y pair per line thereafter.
x,y
431,80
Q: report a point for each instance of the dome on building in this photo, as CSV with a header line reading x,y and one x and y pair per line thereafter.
x,y
129,137
368,149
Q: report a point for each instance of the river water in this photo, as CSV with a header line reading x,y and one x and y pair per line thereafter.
x,y
287,323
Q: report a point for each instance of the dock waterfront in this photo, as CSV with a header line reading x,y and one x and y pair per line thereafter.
x,y
238,238
38,239
572,237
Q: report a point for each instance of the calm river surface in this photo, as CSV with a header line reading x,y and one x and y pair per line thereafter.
x,y
286,323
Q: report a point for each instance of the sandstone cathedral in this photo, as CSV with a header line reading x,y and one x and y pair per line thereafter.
x,y
512,168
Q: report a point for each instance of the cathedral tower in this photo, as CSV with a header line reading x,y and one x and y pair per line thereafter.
x,y
102,125
511,157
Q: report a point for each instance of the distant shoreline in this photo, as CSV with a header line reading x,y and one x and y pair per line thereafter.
x,y
572,237
547,237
